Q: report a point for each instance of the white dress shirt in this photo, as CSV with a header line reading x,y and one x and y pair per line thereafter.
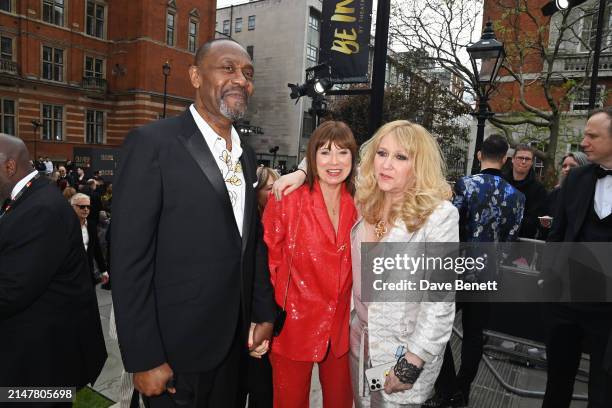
x,y
603,196
228,163
85,234
21,183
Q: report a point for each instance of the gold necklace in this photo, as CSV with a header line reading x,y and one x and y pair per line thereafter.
x,y
380,229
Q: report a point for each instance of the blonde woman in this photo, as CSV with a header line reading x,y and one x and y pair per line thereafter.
x,y
402,196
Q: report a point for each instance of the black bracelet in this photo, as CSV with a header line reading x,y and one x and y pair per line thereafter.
x,y
303,171
406,372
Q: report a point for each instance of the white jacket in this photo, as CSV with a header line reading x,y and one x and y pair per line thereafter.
x,y
424,328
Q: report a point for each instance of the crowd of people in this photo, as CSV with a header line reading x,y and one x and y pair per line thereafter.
x,y
229,283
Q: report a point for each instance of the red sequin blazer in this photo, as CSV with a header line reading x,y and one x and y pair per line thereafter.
x,y
298,231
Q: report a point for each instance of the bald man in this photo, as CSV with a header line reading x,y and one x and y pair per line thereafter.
x,y
50,332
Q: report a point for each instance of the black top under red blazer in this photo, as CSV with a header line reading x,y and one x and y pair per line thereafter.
x,y
182,274
50,332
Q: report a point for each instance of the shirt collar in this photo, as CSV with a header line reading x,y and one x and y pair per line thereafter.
x,y
21,183
492,171
213,137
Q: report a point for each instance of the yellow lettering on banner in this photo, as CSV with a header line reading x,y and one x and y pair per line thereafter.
x,y
342,9
343,18
345,47
346,36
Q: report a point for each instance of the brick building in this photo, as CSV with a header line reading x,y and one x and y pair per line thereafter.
x,y
571,66
82,73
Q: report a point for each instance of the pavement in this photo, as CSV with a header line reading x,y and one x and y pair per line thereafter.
x,y
109,381
487,391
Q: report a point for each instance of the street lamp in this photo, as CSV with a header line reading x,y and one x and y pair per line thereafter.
x,y
273,151
166,72
553,6
487,56
35,125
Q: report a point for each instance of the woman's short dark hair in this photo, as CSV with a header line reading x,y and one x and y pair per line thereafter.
x,y
494,147
328,133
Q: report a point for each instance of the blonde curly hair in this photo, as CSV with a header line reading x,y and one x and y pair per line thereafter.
x,y
428,189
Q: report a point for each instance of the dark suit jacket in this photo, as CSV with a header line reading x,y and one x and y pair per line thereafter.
x,y
574,201
182,275
50,332
94,251
572,204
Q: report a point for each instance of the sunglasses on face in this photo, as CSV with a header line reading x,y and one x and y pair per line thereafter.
x,y
83,207
523,159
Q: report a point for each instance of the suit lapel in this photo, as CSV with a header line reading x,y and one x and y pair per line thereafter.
x,y
587,182
36,185
321,215
248,168
194,142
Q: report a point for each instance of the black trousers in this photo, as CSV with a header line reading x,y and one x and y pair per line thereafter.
x,y
257,383
474,320
216,388
574,329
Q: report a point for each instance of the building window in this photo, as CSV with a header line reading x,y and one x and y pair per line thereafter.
x,y
6,5
193,36
94,133
53,64
313,22
7,116
6,48
238,27
251,51
589,29
226,30
170,22
95,19
251,23
311,52
53,12
94,67
581,98
53,122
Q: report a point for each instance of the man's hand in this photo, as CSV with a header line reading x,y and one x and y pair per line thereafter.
x,y
262,333
104,278
257,352
153,382
288,183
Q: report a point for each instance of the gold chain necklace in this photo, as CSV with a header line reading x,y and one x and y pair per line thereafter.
x,y
380,229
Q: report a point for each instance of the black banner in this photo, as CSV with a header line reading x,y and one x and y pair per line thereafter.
x,y
92,159
345,38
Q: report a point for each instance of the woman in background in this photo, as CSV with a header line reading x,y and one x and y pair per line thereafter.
x,y
257,383
265,179
568,162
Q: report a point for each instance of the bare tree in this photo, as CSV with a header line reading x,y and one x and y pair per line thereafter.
x,y
420,99
535,50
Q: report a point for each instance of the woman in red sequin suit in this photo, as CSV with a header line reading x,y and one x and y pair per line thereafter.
x,y
309,233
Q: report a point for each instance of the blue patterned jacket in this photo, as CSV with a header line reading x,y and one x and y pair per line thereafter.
x,y
490,209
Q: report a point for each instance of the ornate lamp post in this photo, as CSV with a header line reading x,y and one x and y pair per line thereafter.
x,y
166,71
487,56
